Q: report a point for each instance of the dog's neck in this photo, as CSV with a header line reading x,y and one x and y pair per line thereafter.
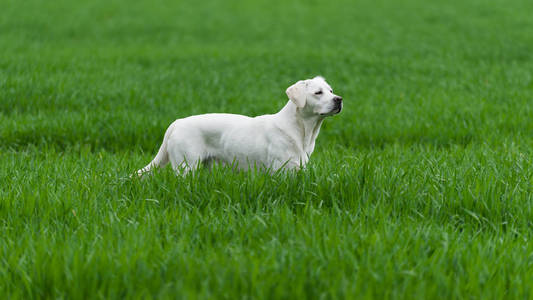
x,y
306,123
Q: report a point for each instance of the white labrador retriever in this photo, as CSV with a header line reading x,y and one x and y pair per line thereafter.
x,y
282,140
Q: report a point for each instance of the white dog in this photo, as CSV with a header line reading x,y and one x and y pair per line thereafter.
x,y
282,140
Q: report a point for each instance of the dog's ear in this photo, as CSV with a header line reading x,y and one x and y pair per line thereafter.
x,y
296,93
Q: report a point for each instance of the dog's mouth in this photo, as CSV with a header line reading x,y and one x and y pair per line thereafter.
x,y
334,111
337,109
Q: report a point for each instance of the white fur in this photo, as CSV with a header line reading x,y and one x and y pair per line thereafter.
x,y
282,140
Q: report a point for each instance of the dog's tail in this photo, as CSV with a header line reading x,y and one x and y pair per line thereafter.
x,y
160,160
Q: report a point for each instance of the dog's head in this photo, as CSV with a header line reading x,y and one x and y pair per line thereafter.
x,y
315,96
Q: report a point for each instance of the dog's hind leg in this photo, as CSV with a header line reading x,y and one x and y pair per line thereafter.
x,y
186,152
184,160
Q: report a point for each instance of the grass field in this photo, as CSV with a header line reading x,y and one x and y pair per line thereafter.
x,y
421,188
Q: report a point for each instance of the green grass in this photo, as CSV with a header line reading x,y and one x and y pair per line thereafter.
x,y
421,188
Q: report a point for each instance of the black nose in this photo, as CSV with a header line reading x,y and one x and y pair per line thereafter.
x,y
337,100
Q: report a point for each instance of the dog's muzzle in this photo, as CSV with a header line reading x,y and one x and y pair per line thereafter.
x,y
337,105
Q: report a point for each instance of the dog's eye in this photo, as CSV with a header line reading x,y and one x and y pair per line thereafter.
x,y
318,93
331,91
